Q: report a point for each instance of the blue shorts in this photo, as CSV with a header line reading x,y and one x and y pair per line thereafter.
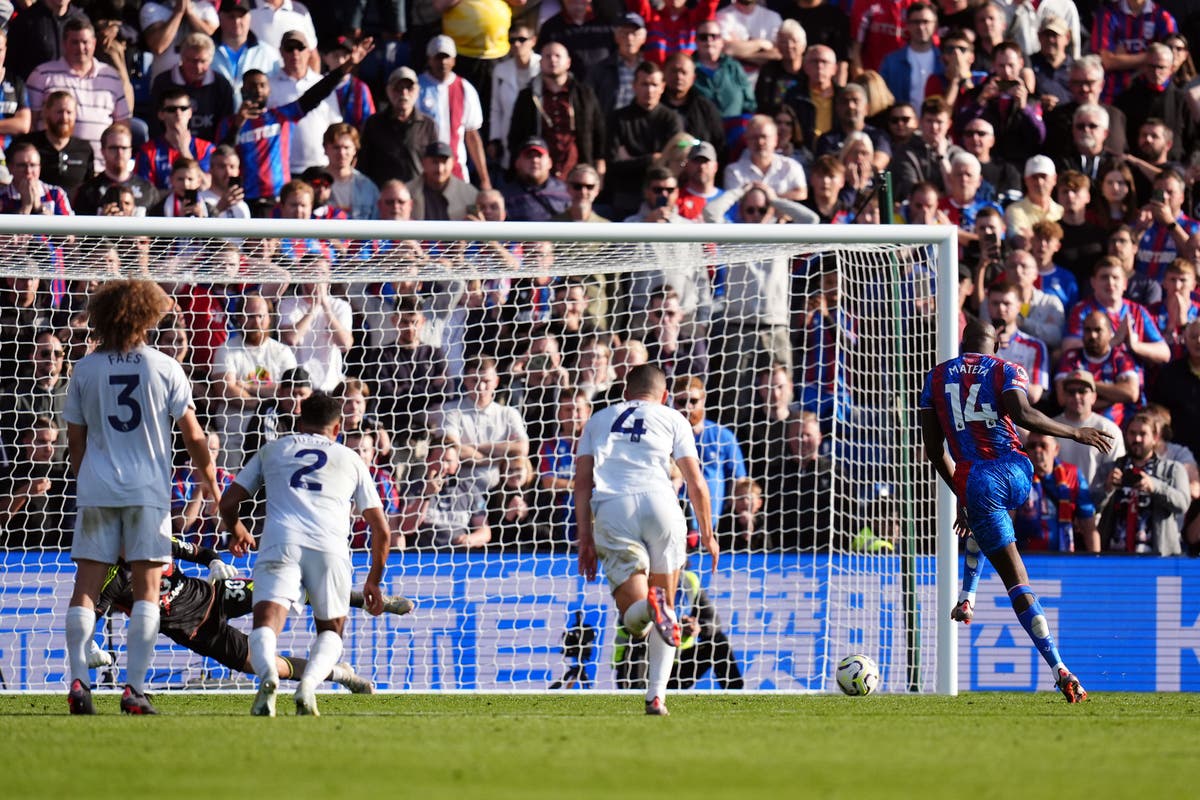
x,y
993,489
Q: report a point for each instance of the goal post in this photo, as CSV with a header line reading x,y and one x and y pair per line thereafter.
x,y
855,554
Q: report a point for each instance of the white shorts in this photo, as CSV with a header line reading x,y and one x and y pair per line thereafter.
x,y
639,533
135,533
285,574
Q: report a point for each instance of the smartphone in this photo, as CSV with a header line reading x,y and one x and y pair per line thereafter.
x,y
472,210
191,196
1004,86
1158,196
235,180
661,201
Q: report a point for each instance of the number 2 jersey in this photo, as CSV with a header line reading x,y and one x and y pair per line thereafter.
x,y
313,484
966,393
633,443
128,402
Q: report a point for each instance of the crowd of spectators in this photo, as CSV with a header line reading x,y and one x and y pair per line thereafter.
x,y
1061,138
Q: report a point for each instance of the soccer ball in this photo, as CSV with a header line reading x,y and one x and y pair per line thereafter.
x,y
857,675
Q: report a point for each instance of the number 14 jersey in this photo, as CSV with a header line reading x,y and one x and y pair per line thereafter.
x,y
965,392
633,443
313,484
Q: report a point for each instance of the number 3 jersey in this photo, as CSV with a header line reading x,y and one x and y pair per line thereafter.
x,y
128,402
633,443
966,392
313,485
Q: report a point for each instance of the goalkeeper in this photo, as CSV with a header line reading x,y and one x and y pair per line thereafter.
x,y
195,614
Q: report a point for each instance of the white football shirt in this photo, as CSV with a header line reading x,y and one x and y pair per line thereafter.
x,y
633,443
128,402
313,485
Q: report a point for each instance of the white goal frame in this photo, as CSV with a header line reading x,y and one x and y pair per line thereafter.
x,y
943,239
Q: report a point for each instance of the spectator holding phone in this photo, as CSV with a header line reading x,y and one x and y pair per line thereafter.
x,y
116,143
225,193
183,199
1142,495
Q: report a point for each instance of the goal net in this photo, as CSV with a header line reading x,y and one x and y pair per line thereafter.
x,y
468,357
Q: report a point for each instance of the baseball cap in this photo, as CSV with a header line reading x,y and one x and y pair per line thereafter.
x,y
238,6
1081,376
631,20
1040,165
534,143
296,376
317,174
438,150
703,150
403,74
1056,24
293,36
441,44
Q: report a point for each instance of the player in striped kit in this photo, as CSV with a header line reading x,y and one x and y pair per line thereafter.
x,y
638,532
973,403
312,483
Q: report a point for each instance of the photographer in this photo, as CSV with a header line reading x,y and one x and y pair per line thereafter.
x,y
1142,495
183,200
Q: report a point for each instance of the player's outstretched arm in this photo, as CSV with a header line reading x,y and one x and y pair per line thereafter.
x,y
241,542
381,541
196,442
697,489
1016,403
584,481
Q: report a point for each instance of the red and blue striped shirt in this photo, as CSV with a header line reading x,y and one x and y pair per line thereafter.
x,y
966,394
154,160
1117,26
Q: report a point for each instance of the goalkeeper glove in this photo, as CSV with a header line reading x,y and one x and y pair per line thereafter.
x,y
97,657
219,571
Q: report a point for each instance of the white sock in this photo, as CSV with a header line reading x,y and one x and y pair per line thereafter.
x,y
139,642
80,624
262,654
637,618
660,657
324,654
338,674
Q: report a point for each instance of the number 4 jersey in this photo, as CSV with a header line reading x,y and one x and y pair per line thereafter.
x,y
965,392
633,443
128,402
313,484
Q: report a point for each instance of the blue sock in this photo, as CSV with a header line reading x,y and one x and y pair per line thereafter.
x,y
971,569
1033,620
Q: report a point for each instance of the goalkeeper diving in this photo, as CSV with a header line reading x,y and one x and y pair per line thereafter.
x,y
195,614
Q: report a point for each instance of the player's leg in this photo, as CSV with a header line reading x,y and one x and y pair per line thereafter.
x,y
1028,608
964,609
327,578
95,545
80,625
660,650
277,586
146,537
1005,485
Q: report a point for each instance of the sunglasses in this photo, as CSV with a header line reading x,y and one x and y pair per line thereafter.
x,y
518,39
54,353
754,211
1086,126
664,189
176,109
706,37
293,47
579,187
900,121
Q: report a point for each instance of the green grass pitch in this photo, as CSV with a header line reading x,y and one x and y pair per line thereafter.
x,y
580,745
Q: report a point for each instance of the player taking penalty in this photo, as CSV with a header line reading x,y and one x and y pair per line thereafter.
x,y
972,403
630,520
123,404
312,484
